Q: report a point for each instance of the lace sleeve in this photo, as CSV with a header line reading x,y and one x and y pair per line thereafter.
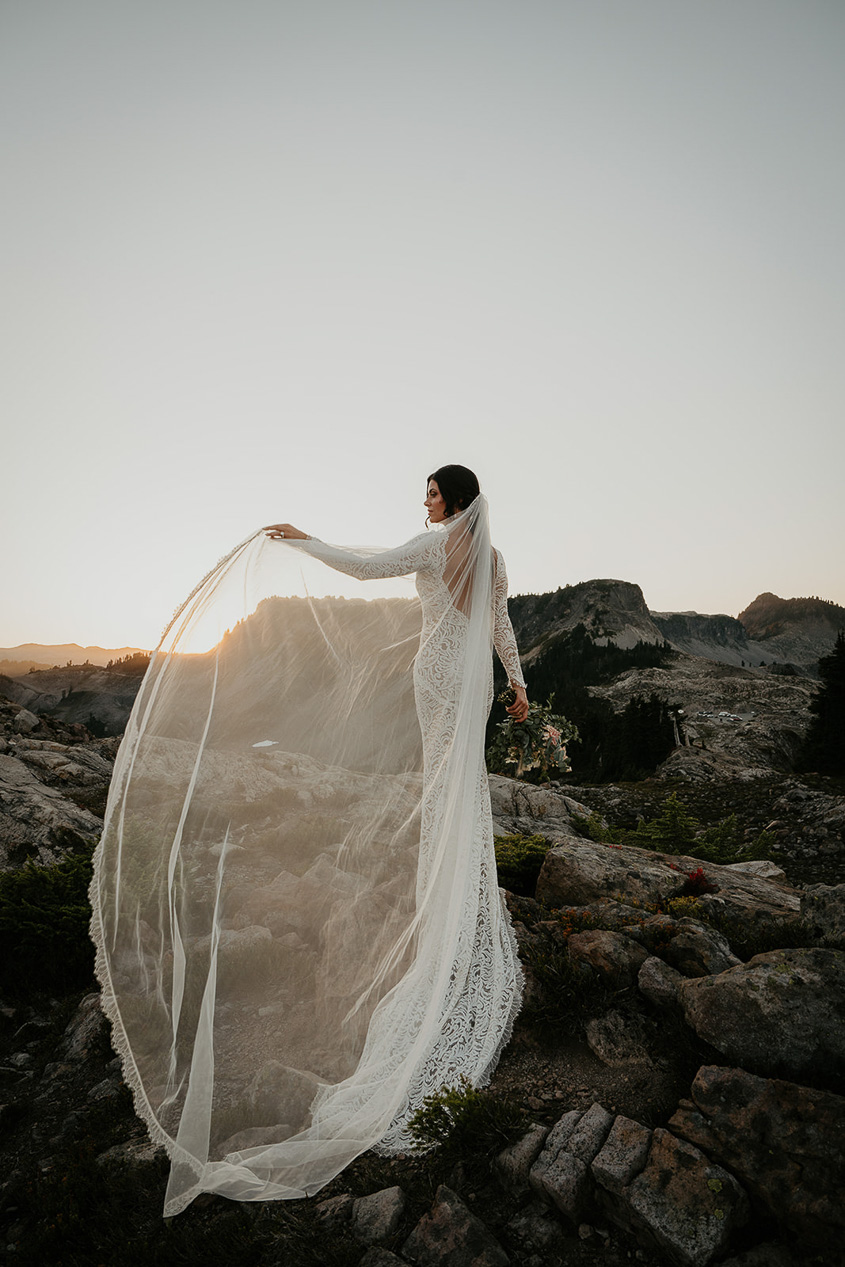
x,y
503,635
413,556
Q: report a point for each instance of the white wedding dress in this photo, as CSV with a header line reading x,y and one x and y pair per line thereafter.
x,y
299,929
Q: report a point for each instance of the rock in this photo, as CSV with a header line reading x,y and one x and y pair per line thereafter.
x,y
136,1152
611,955
278,1093
582,872
560,1174
682,1203
536,1230
761,867
563,1181
622,1156
783,1141
589,1133
36,818
450,1235
615,1040
380,1257
513,1164
823,908
659,983
766,1255
25,722
782,1013
698,951
335,1210
376,1217
526,808
83,1030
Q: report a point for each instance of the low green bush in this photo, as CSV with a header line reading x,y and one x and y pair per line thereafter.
x,y
44,917
518,862
462,1122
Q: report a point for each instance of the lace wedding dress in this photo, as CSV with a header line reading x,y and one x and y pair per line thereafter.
x,y
299,929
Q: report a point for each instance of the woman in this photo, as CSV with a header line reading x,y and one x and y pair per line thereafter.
x,y
299,929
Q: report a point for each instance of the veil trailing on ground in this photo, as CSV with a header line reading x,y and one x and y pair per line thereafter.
x,y
296,861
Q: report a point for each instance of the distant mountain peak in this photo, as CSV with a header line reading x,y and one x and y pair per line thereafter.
x,y
769,616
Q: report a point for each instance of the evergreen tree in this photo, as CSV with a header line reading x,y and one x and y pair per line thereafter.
x,y
824,745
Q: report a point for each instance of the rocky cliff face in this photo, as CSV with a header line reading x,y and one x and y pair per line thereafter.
x,y
721,638
80,693
611,611
795,630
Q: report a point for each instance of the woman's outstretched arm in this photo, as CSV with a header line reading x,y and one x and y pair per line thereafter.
x,y
372,565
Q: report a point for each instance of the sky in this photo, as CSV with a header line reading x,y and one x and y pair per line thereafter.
x,y
277,260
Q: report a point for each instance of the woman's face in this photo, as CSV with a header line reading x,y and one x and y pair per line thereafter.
x,y
434,503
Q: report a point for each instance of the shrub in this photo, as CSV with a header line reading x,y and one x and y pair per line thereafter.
x,y
462,1122
518,862
44,916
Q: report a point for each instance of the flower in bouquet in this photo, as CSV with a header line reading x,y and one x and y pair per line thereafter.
x,y
537,744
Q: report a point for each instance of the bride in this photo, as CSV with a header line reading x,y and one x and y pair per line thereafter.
x,y
299,930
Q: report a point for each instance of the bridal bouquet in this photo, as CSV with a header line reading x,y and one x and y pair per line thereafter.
x,y
538,743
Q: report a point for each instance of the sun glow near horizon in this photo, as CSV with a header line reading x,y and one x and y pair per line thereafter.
x,y
593,253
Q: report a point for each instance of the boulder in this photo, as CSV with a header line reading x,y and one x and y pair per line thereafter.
x,y
623,1155
581,872
450,1235
25,722
682,1203
83,1031
380,1257
699,951
611,955
781,1014
615,1040
37,818
561,1174
513,1164
761,867
335,1211
783,1141
376,1217
536,1230
659,983
526,808
823,909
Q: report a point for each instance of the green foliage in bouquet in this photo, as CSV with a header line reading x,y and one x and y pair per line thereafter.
x,y
535,747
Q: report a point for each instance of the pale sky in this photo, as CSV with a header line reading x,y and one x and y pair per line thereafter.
x,y
273,260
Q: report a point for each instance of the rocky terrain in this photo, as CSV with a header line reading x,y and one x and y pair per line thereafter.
x,y
769,631
674,1092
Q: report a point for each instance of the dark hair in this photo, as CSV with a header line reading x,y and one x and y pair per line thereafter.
x,y
458,486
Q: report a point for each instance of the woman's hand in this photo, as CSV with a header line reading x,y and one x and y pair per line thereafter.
x,y
519,708
276,531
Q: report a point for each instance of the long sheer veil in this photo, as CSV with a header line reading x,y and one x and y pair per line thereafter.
x,y
283,888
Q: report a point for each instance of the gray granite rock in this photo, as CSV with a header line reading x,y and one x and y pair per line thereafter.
x,y
699,951
450,1235
622,1156
781,1140
616,1040
377,1216
513,1164
781,1014
659,983
684,1204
